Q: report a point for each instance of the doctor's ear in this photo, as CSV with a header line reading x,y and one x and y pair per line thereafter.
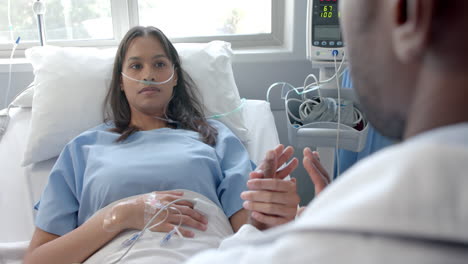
x,y
411,28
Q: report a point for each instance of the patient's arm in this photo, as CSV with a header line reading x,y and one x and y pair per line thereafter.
x,y
238,219
82,242
75,246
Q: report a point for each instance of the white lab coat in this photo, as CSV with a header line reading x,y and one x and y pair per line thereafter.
x,y
405,204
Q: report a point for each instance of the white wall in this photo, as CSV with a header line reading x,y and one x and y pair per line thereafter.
x,y
254,74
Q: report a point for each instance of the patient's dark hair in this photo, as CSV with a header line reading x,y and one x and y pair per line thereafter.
x,y
184,107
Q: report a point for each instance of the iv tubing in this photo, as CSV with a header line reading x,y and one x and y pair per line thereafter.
x,y
15,44
148,225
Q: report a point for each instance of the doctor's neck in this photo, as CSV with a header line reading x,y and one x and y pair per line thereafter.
x,y
440,99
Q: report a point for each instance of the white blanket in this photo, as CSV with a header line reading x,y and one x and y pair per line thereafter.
x,y
148,248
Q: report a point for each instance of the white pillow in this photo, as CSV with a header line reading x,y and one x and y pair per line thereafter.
x,y
71,85
25,98
210,67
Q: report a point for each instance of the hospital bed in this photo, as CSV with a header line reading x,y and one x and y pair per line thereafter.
x,y
21,187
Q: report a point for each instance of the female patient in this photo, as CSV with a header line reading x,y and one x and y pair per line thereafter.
x,y
157,140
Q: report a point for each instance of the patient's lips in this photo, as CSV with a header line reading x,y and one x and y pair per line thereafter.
x,y
149,90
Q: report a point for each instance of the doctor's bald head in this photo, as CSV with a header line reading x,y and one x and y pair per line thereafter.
x,y
393,45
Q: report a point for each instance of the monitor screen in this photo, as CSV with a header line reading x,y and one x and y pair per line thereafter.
x,y
327,33
327,12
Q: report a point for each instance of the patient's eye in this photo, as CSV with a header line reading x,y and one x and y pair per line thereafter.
x,y
160,64
136,66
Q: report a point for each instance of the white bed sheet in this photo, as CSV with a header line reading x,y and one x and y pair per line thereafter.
x,y
21,187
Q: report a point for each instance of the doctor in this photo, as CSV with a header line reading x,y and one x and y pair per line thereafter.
x,y
407,203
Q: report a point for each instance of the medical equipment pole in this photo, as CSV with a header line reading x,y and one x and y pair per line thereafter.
x,y
327,154
39,9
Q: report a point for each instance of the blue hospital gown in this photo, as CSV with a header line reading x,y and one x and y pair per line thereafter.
x,y
93,171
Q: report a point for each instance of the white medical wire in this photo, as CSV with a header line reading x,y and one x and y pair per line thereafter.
x,y
147,226
15,44
138,234
339,120
336,70
304,91
303,104
317,83
9,71
168,120
215,116
304,109
306,87
306,103
165,218
150,82
283,84
243,100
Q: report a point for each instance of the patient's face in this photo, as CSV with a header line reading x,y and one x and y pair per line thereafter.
x,y
146,60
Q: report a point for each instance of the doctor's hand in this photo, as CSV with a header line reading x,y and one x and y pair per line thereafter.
x,y
316,171
136,212
271,200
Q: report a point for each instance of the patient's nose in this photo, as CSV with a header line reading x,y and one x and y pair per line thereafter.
x,y
149,74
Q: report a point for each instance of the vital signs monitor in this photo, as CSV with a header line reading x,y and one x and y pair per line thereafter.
x,y
324,38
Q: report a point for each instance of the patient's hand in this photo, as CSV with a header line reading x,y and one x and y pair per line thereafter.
x,y
316,171
271,200
134,213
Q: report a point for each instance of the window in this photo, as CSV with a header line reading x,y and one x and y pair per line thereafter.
x,y
244,23
67,20
215,18
78,20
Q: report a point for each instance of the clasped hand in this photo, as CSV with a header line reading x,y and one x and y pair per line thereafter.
x,y
135,212
272,200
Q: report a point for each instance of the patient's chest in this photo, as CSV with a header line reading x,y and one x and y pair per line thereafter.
x,y
149,161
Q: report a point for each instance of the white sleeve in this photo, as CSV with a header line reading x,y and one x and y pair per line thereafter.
x,y
245,233
332,248
229,247
250,245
